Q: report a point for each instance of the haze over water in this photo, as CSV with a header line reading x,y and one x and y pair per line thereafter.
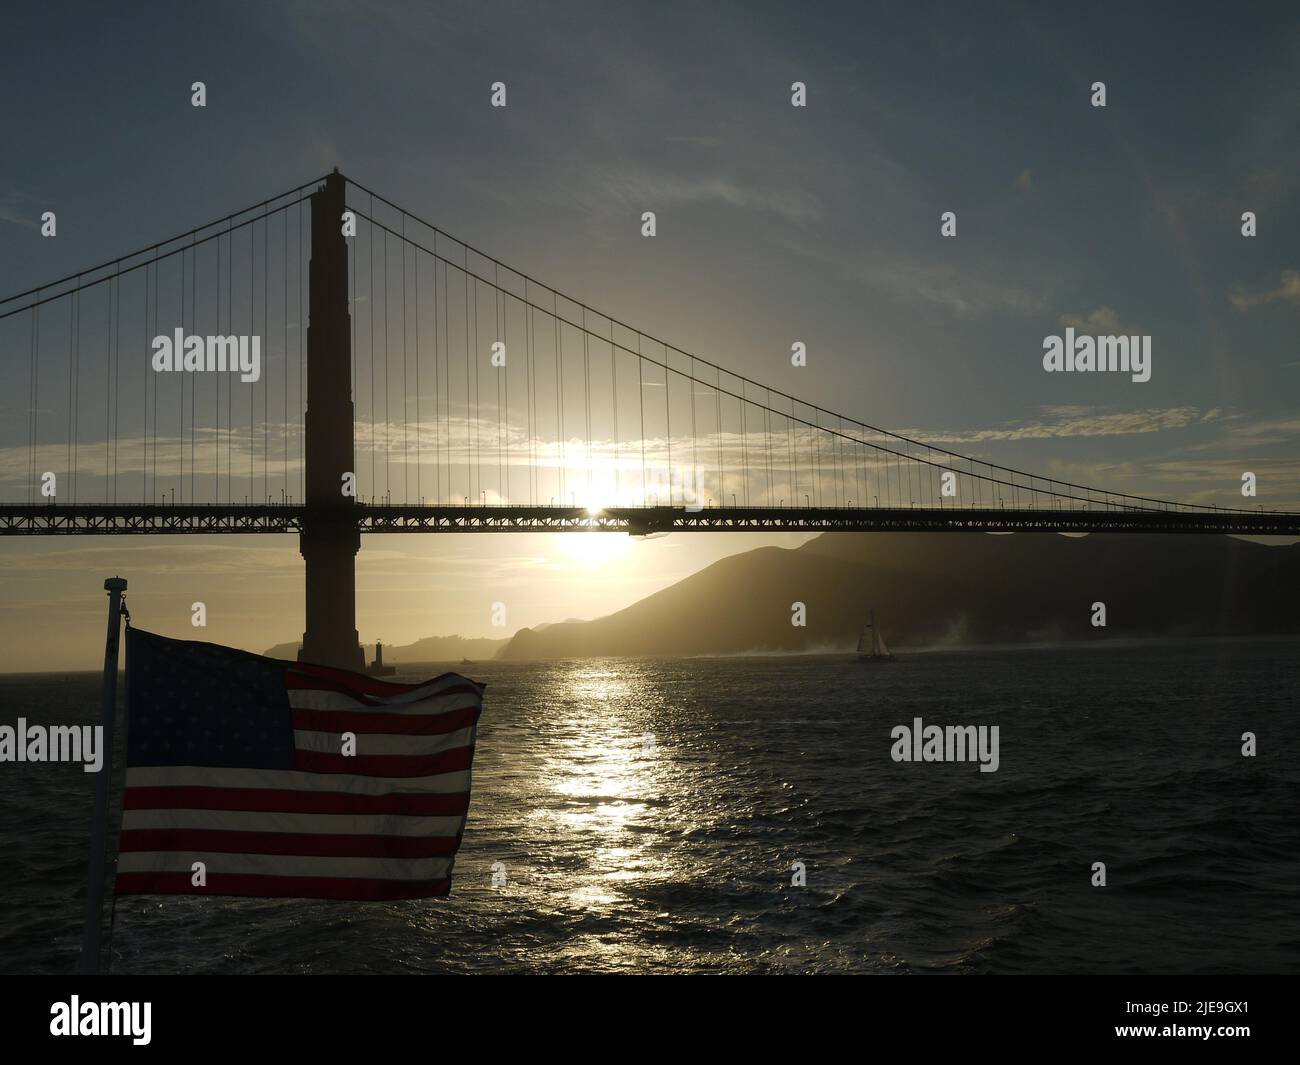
x,y
623,857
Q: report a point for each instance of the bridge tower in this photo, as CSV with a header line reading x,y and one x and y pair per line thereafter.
x,y
330,535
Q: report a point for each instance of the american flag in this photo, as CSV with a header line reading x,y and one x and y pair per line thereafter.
x,y
236,761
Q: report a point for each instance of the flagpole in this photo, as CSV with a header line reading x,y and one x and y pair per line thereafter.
x,y
115,586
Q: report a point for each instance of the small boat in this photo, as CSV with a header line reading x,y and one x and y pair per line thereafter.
x,y
871,645
466,662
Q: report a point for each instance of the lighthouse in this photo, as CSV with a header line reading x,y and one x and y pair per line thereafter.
x,y
377,667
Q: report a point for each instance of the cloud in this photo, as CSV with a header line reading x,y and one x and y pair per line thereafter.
x,y
1100,322
640,188
964,296
1241,433
1288,289
1075,422
967,293
1202,481
19,209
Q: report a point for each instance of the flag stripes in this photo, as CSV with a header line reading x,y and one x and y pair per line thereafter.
x,y
237,762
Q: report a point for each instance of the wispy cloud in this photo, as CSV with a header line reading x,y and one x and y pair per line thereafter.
x,y
1206,480
649,191
1064,422
1103,322
1240,433
19,209
962,294
1288,288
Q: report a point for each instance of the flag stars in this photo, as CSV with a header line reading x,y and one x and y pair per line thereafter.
x,y
219,706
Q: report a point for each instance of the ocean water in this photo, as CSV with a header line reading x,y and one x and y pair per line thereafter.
x,y
626,855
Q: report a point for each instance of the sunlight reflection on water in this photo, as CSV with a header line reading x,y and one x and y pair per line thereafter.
x,y
646,814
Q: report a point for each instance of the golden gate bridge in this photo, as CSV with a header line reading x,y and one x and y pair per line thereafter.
x,y
412,383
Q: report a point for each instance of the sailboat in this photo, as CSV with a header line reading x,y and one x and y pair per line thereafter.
x,y
871,645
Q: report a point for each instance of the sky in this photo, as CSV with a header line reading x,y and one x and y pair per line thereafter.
x,y
820,223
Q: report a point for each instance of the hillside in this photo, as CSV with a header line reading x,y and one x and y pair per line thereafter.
x,y
935,588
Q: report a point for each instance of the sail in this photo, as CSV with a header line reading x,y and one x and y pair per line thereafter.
x,y
881,647
864,642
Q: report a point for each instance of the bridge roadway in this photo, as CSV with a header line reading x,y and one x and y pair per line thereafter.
x,y
52,519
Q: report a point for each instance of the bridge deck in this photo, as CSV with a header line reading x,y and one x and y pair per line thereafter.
x,y
54,519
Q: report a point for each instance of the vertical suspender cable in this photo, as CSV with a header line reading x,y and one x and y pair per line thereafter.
x,y
216,436
387,391
31,402
501,418
613,390
108,385
419,449
505,342
230,393
469,465
790,455
194,413
640,391
374,477
252,389
767,446
717,418
559,388
72,315
75,386
744,442
406,449
284,423
695,441
668,424
478,436
266,377
446,392
586,394
529,326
